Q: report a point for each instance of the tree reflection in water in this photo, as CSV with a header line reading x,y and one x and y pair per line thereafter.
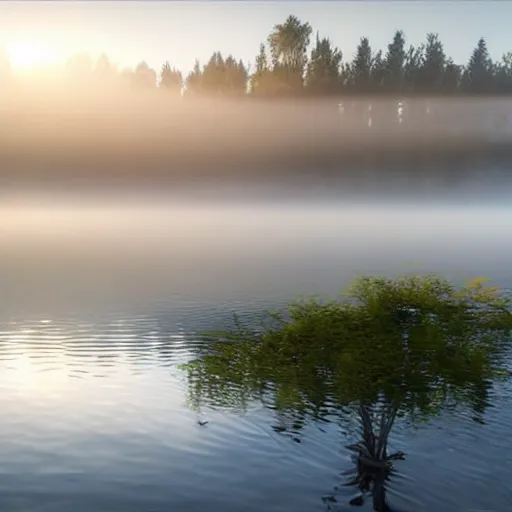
x,y
406,348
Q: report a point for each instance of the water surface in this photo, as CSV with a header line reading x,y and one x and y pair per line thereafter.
x,y
100,302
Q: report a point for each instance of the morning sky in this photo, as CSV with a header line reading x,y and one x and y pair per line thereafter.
x,y
129,32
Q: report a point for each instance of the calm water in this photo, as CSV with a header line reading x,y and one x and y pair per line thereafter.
x,y
99,304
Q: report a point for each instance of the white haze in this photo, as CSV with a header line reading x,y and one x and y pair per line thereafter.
x,y
75,257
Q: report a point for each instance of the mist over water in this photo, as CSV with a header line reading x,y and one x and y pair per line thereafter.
x,y
147,139
108,252
103,294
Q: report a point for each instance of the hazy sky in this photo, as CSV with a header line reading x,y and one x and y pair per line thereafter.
x,y
180,32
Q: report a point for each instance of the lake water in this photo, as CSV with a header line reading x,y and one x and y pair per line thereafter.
x,y
99,304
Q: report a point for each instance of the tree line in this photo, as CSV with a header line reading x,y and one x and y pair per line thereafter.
x,y
291,63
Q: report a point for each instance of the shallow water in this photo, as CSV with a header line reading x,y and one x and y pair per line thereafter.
x,y
99,304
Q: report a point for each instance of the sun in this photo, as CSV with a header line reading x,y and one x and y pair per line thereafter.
x,y
27,54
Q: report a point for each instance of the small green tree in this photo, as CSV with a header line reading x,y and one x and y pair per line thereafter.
x,y
406,347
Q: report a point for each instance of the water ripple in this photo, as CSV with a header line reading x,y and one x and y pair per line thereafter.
x,y
94,417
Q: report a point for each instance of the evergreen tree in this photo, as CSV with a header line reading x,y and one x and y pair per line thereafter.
x,y
261,79
395,62
194,80
503,75
412,68
219,76
451,77
478,76
361,69
214,74
236,76
323,72
433,65
378,72
171,79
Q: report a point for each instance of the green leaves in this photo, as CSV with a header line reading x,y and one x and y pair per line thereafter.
x,y
415,343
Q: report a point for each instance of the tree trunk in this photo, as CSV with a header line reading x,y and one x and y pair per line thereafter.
x,y
379,497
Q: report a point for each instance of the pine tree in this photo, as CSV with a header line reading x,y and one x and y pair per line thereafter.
x,y
361,69
395,61
194,80
478,76
433,65
323,72
259,82
171,79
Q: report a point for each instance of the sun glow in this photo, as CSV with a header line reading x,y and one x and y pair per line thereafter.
x,y
28,54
